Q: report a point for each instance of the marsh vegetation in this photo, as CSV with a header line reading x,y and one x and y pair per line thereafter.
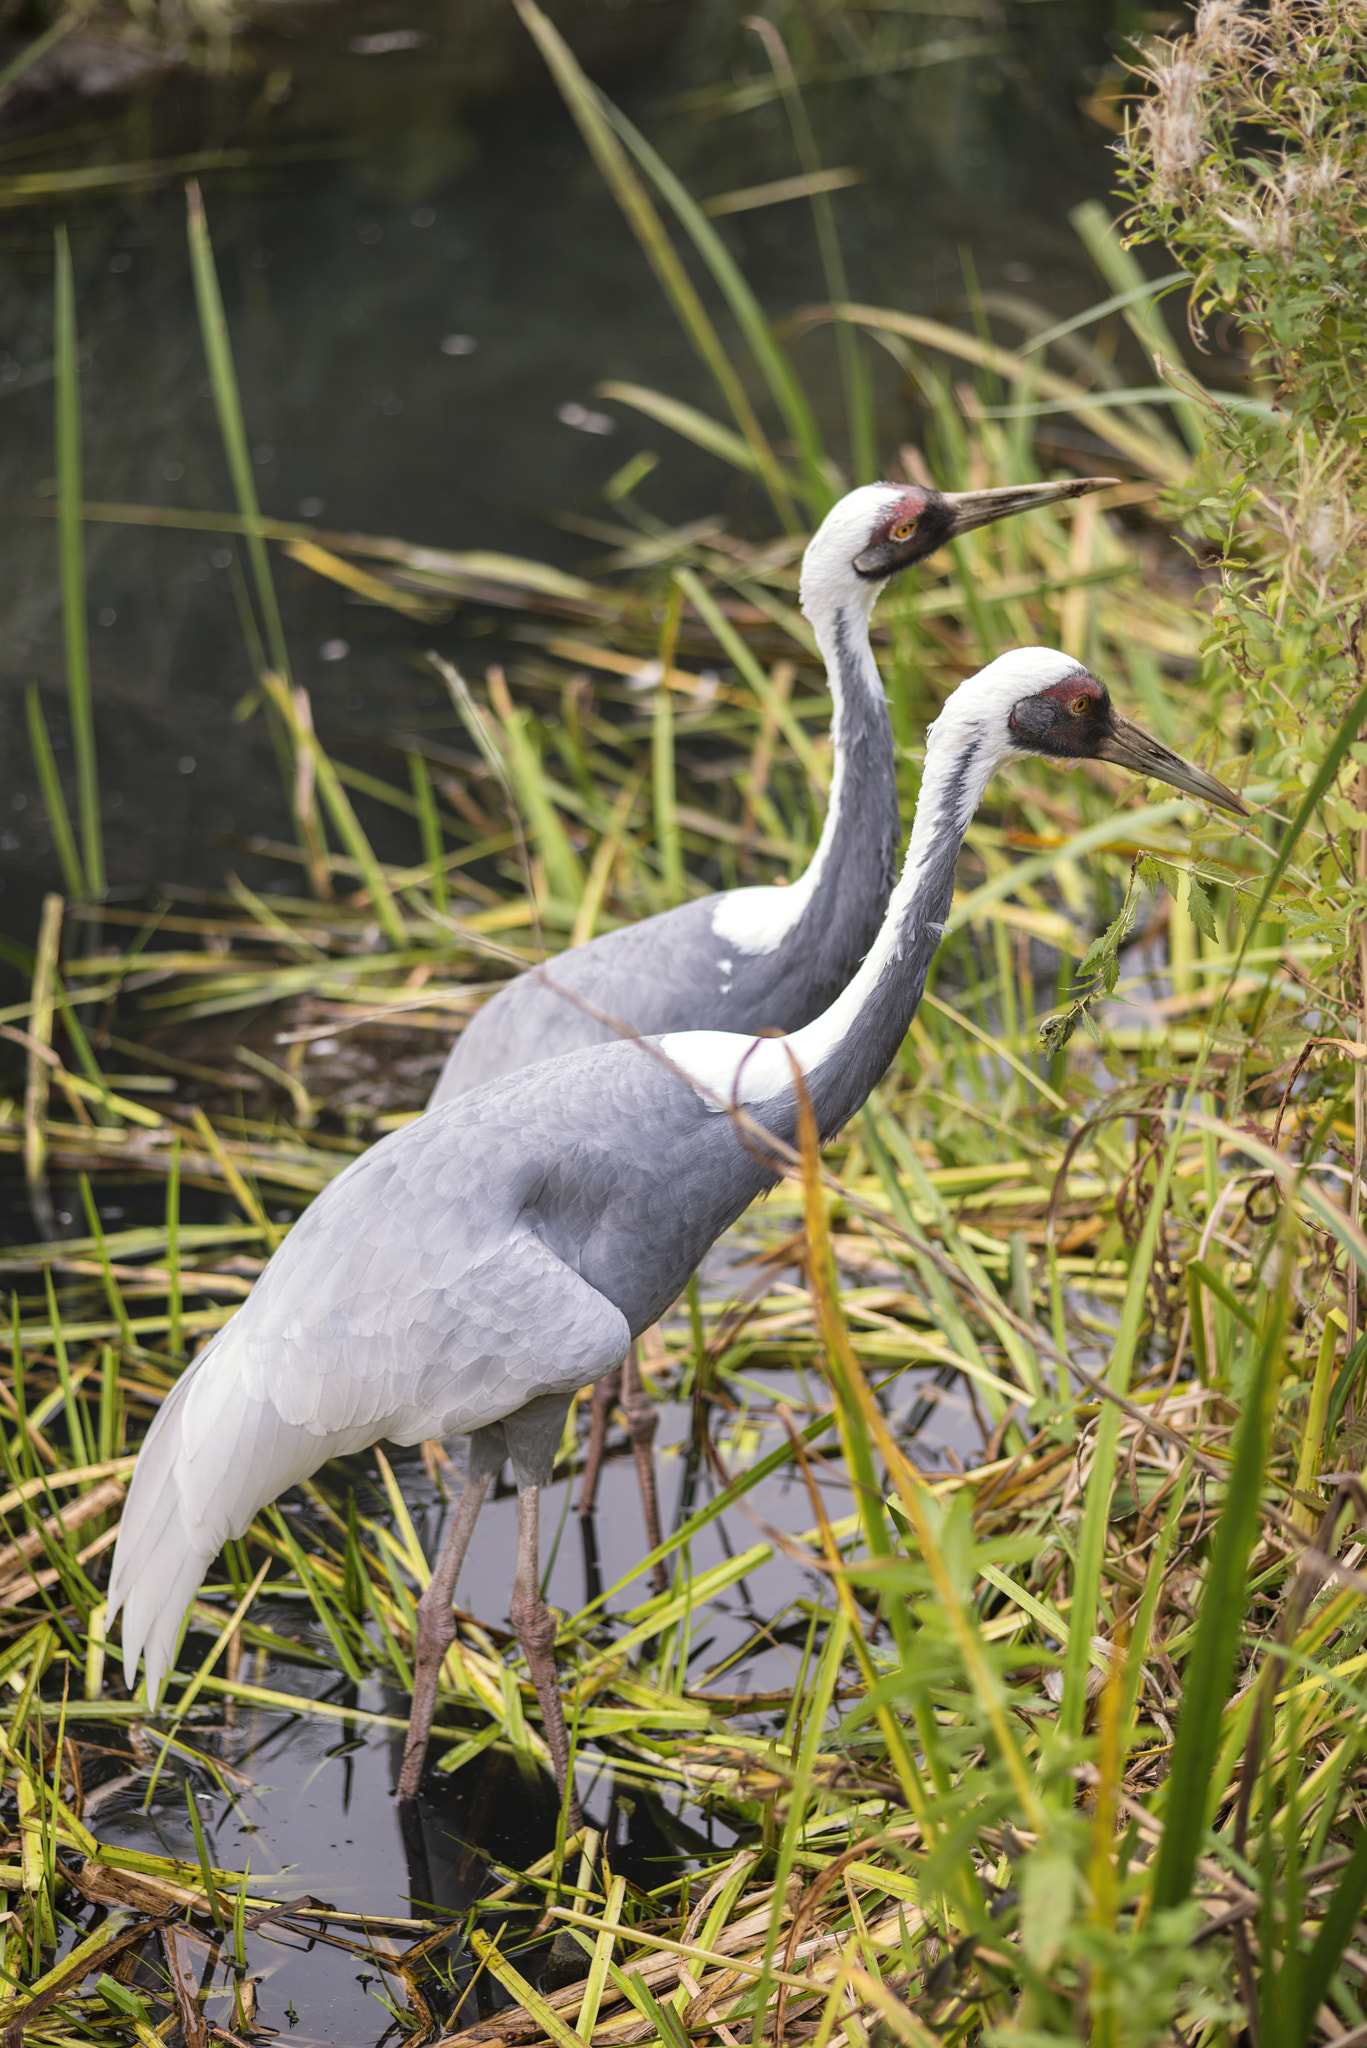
x,y
1020,1697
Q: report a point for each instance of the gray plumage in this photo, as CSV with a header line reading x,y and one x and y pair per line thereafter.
x,y
505,1247
472,1270
677,972
688,969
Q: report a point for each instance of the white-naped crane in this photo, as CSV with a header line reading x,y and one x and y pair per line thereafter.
x,y
470,1272
762,958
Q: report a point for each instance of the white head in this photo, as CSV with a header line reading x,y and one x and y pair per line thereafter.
x,y
880,529
1035,700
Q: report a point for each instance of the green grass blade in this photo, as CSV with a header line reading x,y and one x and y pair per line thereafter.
x,y
75,1421
201,1850
75,1031
781,712
433,851
174,1338
854,372
111,1416
322,1605
564,872
1150,288
584,103
37,47
1157,456
348,826
777,371
218,354
685,420
667,840
71,545
111,1286
1100,236
1335,1932
58,817
1091,1548
1209,1669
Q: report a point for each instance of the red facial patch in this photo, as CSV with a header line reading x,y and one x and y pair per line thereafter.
x,y
905,512
1077,693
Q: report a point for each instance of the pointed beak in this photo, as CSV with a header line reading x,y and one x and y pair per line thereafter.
x,y
1129,746
980,508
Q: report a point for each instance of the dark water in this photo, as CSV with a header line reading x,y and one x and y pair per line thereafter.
x,y
471,215
457,214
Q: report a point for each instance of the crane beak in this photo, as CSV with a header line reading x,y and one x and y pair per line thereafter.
x,y
980,508
1129,746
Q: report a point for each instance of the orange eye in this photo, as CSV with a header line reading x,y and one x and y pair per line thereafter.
x,y
903,530
1080,705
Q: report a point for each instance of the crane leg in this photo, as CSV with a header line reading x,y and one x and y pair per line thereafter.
x,y
643,1419
535,1625
436,1630
605,1393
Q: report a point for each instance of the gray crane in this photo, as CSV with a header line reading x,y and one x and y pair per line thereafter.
x,y
765,958
471,1271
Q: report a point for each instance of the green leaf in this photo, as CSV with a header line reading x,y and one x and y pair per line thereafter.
x,y
1094,955
1049,1890
1201,908
1156,872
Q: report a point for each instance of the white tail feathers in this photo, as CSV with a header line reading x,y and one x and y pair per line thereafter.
x,y
214,1455
157,1563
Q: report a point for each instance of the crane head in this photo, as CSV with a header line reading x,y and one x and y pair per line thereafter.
x,y
922,520
1074,719
880,529
1035,700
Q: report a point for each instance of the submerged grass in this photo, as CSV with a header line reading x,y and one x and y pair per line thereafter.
x,y
1070,1741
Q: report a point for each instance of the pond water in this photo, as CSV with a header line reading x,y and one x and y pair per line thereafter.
x,y
420,325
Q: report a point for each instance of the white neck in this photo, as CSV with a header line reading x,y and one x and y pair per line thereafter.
x,y
839,605
965,747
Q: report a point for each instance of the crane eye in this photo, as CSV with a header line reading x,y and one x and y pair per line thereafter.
x,y
1080,705
903,530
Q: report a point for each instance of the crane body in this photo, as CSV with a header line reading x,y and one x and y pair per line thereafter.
x,y
472,1270
764,958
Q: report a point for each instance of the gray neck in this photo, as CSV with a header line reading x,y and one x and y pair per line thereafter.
x,y
855,863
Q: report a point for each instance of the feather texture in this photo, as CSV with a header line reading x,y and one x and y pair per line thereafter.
x,y
386,1313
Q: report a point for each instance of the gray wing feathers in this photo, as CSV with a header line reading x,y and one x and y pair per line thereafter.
x,y
341,1343
658,975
